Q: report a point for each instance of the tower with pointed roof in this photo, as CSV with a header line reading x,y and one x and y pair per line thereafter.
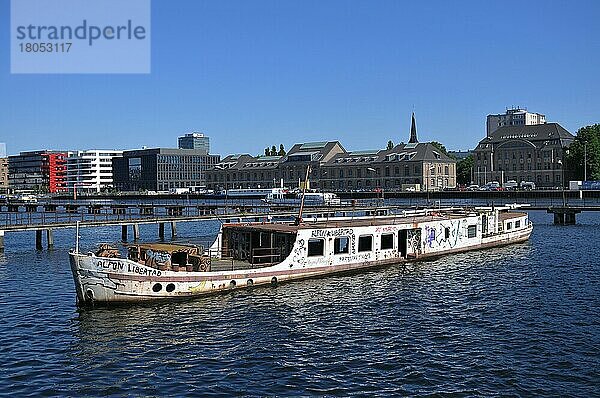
x,y
413,130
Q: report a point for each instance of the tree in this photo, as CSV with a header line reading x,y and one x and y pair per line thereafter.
x,y
442,148
586,141
273,151
267,151
281,150
464,168
390,144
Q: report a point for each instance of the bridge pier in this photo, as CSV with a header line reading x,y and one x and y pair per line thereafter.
x,y
50,238
161,230
173,229
564,215
38,239
124,233
136,232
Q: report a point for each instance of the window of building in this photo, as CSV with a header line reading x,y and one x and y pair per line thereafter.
x,y
316,247
387,241
508,225
472,231
365,243
341,245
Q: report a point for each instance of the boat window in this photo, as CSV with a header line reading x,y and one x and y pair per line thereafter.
x,y
518,224
316,247
447,233
509,225
341,245
365,243
387,241
472,231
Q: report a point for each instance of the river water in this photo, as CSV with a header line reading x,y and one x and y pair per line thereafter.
x,y
520,320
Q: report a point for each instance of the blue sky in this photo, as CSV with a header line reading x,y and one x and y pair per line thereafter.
x,y
251,74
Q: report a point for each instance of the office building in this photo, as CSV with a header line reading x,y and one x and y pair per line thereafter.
x,y
91,170
161,169
196,141
38,171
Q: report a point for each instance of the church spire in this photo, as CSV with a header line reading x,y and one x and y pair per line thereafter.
x,y
413,130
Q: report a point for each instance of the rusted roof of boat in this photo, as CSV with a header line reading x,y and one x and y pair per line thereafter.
x,y
164,247
359,222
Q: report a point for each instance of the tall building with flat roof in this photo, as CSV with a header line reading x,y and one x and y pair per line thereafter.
x,y
91,170
161,169
513,117
197,141
38,171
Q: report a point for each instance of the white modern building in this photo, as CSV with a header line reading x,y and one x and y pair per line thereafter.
x,y
513,117
91,170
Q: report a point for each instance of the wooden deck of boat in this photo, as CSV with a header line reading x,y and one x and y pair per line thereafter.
x,y
230,265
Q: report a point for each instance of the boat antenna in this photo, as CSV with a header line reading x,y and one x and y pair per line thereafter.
x,y
76,236
299,218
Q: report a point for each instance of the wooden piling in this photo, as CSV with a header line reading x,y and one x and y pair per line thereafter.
x,y
161,230
173,229
50,238
136,232
124,233
38,239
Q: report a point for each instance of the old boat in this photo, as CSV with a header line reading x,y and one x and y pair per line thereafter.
x,y
259,253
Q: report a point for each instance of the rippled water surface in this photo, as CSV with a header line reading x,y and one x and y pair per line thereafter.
x,y
521,320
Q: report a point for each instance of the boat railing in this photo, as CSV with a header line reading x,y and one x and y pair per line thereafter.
x,y
265,255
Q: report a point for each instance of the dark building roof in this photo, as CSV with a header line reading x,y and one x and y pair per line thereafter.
x,y
536,132
411,152
164,151
314,151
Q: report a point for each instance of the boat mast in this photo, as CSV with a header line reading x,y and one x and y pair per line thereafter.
x,y
77,237
299,219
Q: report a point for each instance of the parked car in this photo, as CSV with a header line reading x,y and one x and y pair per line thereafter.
x,y
473,187
511,185
527,185
491,186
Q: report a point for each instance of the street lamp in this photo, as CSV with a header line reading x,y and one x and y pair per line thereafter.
x,y
372,170
585,161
